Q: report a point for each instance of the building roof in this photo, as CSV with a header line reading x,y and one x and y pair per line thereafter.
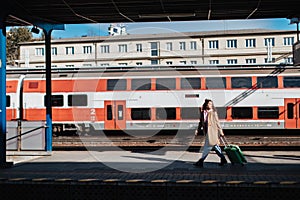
x,y
172,35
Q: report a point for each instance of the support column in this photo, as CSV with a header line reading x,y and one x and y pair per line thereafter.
x,y
47,29
48,90
2,93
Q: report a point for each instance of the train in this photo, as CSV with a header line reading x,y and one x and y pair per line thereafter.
x,y
157,97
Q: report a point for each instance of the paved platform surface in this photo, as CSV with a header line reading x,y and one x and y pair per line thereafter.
x,y
263,167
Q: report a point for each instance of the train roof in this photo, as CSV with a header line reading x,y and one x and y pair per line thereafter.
x,y
157,71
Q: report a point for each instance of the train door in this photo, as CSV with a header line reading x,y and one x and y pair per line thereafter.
x,y
292,113
115,115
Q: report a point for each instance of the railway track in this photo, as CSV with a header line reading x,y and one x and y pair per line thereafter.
x,y
249,142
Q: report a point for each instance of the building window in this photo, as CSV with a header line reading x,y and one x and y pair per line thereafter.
x,y
169,63
54,66
139,63
69,65
39,66
288,41
165,113
54,51
214,62
241,82
104,64
154,62
268,113
169,46
193,62
87,49
139,47
154,48
242,113
231,43
190,113
182,62
141,84
193,45
122,64
116,84
215,82
213,44
122,48
39,51
165,83
269,42
77,100
140,113
190,83
250,61
271,61
69,50
181,45
250,43
267,82
231,61
87,65
104,48
288,60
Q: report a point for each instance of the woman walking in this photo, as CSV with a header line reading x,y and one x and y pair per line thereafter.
x,y
212,130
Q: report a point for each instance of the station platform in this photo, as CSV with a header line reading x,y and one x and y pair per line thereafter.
x,y
117,174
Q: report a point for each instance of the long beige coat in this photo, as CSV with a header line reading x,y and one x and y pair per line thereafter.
x,y
214,129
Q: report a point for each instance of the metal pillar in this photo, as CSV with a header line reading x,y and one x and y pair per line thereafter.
x,y
2,92
47,29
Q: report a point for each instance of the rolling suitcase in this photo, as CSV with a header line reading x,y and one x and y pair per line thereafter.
x,y
234,153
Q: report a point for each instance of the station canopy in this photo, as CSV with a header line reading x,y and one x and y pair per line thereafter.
x,y
20,12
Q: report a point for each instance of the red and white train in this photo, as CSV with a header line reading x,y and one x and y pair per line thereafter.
x,y
158,98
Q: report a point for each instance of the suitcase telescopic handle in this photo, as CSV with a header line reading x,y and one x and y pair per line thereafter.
x,y
224,141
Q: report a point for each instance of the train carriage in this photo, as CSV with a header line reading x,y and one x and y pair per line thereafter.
x,y
162,98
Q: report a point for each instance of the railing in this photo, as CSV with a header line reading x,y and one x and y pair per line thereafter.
x,y
25,133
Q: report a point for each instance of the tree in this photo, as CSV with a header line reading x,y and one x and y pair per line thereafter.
x,y
13,37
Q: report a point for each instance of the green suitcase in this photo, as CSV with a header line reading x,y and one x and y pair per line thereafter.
x,y
234,153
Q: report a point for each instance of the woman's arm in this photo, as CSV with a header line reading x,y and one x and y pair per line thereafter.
x,y
220,131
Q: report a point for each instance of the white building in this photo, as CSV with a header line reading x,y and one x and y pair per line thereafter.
x,y
255,46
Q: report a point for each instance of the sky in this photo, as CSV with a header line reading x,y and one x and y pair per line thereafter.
x,y
79,30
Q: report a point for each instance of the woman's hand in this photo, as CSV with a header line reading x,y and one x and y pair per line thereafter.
x,y
196,132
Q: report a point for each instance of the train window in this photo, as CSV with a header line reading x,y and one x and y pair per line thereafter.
x,y
215,82
140,114
268,112
141,84
290,111
291,81
33,85
57,100
7,101
267,82
116,84
120,112
222,112
77,100
241,82
190,83
242,113
165,83
109,115
165,113
190,113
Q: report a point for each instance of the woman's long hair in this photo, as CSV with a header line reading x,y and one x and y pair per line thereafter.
x,y
205,105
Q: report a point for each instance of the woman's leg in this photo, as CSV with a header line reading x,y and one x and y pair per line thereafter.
x,y
218,150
